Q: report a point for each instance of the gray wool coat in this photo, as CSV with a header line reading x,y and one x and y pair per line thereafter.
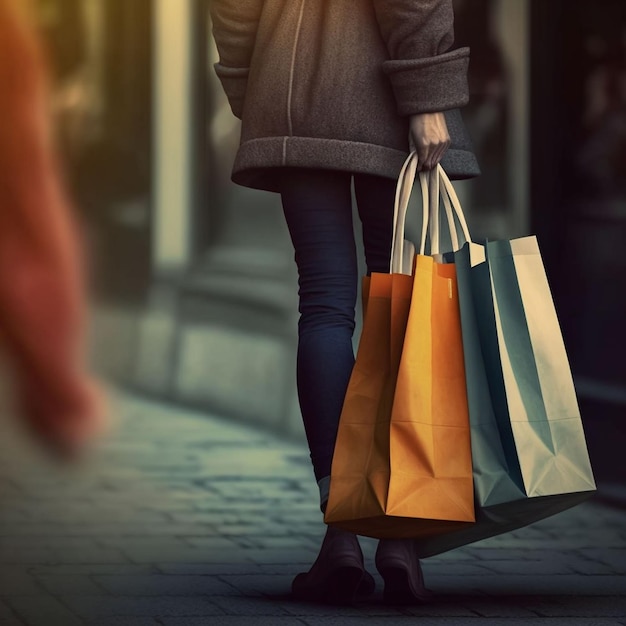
x,y
331,83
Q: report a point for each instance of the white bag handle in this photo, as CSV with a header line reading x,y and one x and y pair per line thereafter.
x,y
399,216
451,201
433,188
435,185
404,188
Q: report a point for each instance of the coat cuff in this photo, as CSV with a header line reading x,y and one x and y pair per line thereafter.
x,y
234,81
430,85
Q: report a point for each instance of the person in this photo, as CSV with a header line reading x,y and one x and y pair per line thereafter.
x,y
42,290
330,92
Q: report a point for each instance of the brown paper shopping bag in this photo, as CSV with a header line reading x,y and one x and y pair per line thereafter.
x,y
402,464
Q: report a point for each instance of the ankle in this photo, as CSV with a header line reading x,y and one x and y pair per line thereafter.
x,y
334,531
323,485
338,537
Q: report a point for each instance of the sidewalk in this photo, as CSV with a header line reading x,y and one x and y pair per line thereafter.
x,y
182,520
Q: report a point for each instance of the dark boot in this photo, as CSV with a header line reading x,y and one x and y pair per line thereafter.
x,y
397,562
338,574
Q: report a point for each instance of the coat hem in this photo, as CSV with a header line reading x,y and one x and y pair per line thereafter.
x,y
261,163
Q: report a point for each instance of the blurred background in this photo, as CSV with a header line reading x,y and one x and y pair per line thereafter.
x,y
195,296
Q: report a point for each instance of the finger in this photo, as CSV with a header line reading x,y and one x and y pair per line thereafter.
x,y
438,155
429,161
423,154
445,149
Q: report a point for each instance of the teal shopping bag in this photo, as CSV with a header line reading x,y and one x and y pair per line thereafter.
x,y
541,410
529,454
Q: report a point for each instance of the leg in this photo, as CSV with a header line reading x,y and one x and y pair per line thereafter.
x,y
317,206
318,210
375,197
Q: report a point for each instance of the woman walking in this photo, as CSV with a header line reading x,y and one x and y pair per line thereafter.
x,y
330,92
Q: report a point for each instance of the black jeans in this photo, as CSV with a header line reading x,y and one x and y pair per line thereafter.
x,y
318,209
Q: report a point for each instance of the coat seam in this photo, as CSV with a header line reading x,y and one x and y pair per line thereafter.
x,y
292,69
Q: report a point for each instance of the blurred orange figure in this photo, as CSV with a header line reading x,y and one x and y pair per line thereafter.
x,y
42,296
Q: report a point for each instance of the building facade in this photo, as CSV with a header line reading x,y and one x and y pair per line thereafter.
x,y
196,285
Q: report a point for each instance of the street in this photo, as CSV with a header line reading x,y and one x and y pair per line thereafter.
x,y
182,519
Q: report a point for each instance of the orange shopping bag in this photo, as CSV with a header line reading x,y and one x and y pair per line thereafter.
x,y
402,462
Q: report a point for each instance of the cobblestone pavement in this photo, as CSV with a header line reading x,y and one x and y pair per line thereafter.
x,y
181,520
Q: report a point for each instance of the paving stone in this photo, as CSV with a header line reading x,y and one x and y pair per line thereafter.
x,y
453,555
452,621
581,607
341,619
92,568
590,568
259,585
364,610
527,568
449,568
232,620
210,517
70,584
565,543
289,568
247,606
98,606
90,512
514,554
304,556
114,620
43,610
164,585
210,569
579,561
15,582
5,611
90,555
281,529
103,530
55,543
212,542
27,555
500,608
429,611
140,554
145,543
616,559
560,585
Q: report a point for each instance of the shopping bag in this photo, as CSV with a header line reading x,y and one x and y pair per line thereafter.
x,y
528,447
543,412
402,463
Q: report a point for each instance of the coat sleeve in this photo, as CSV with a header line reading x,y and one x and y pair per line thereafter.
x,y
426,76
235,25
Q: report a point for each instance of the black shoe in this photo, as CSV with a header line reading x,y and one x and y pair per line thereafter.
x,y
397,562
338,575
